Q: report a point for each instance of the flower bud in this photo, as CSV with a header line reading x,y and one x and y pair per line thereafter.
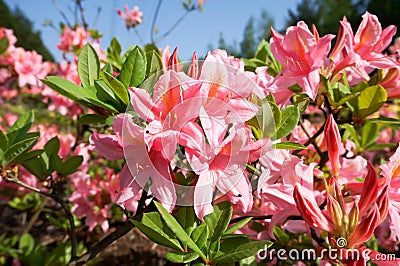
x,y
333,143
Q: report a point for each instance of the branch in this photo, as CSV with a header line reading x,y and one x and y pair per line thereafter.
x,y
153,23
175,24
121,231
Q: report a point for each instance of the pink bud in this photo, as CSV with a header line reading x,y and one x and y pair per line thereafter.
x,y
193,70
336,213
173,61
383,204
354,216
333,143
369,191
310,211
365,228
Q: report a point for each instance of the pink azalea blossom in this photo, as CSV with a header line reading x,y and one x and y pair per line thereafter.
x,y
301,54
29,67
9,34
132,17
71,39
361,53
391,171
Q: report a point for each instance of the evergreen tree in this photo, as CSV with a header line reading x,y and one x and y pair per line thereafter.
x,y
27,37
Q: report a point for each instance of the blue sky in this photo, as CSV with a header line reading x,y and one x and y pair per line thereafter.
x,y
197,32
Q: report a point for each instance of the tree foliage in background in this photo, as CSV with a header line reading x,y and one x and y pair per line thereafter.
x,y
27,37
256,29
326,13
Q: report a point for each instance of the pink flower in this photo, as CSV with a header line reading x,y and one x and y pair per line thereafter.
x,y
301,54
362,53
391,171
132,17
29,67
72,39
334,143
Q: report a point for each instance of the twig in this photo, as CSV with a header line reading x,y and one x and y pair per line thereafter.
x,y
175,24
153,23
138,35
82,11
121,231
34,218
61,13
10,177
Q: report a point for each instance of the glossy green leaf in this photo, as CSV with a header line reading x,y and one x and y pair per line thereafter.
x,y
218,221
178,230
71,165
290,118
242,251
154,64
88,65
36,166
200,235
369,134
353,134
17,149
186,218
288,145
385,120
20,128
118,88
370,100
267,119
301,101
381,146
181,257
91,119
133,71
238,225
29,155
52,146
155,232
3,144
114,53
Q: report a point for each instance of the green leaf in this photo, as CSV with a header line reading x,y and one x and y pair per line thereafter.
x,y
36,166
242,251
281,235
154,64
381,146
288,145
370,100
20,128
301,101
118,88
385,120
238,225
353,134
18,149
29,155
88,65
181,257
157,231
114,53
133,71
178,230
200,235
186,218
267,118
3,45
52,146
91,119
26,244
369,134
153,220
3,144
218,221
290,118
71,165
